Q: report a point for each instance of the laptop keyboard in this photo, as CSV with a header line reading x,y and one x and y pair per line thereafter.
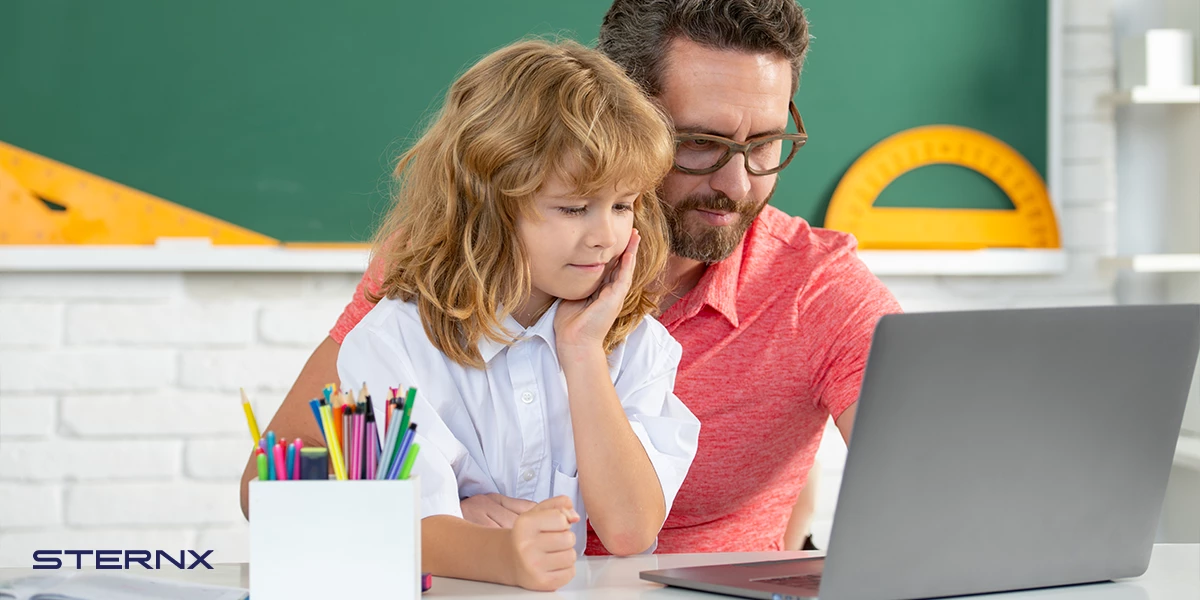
x,y
795,581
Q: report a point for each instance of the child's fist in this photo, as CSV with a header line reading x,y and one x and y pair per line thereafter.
x,y
543,545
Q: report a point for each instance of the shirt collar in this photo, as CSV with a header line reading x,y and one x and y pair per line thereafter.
x,y
717,288
543,328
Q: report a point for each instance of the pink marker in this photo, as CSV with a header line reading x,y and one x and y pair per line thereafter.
x,y
356,466
371,457
280,464
362,443
296,466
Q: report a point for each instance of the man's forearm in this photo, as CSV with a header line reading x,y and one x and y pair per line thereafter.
x,y
800,522
452,547
621,491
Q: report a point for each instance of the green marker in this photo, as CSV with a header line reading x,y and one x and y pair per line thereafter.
x,y
262,467
409,400
406,468
405,417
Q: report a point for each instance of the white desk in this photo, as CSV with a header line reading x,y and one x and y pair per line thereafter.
x,y
1174,574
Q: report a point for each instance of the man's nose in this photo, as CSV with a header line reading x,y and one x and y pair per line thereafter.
x,y
732,179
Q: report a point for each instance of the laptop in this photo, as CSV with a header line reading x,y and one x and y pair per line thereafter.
x,y
996,451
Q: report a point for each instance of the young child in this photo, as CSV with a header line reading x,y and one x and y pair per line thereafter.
x,y
519,263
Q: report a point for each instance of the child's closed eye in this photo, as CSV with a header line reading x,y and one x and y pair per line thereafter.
x,y
572,211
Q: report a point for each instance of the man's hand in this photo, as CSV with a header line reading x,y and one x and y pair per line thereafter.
x,y
543,545
494,510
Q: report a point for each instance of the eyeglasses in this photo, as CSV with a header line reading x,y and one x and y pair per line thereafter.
x,y
701,154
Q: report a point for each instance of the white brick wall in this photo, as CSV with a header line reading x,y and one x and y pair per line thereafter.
x,y
29,506
167,503
297,324
30,324
86,369
165,324
86,460
26,415
167,353
250,368
120,421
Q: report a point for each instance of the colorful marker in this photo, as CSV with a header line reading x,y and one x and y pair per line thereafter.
x,y
270,449
250,420
409,460
262,465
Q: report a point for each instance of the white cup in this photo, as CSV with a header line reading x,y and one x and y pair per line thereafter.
x,y
1169,58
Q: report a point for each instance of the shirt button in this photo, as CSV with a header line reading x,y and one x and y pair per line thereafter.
x,y
527,398
527,475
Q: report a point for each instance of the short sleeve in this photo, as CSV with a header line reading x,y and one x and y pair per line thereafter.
x,y
668,431
443,463
854,301
359,306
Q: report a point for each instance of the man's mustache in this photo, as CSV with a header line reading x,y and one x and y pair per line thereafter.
x,y
718,203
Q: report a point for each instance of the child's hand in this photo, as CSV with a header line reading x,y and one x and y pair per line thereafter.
x,y
543,552
494,510
585,323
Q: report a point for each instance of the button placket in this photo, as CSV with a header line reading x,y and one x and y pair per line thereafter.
x,y
533,433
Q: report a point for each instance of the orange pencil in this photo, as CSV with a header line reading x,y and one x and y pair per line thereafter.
x,y
337,421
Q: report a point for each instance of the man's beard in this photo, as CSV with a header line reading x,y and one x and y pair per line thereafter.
x,y
712,243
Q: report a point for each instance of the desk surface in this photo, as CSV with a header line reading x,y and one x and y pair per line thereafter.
x,y
1174,574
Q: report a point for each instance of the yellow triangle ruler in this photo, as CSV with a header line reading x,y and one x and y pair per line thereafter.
x,y
1030,224
46,202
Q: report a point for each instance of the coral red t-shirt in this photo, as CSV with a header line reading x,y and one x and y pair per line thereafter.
x,y
775,340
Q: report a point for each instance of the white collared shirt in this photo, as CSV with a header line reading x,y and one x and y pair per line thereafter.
x,y
507,429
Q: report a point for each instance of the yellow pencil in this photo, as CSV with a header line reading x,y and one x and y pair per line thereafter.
x,y
335,448
254,433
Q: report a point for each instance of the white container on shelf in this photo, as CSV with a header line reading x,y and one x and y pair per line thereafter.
x,y
1162,59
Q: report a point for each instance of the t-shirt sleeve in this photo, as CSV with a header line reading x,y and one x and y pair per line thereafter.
x,y
668,431
854,299
359,305
443,463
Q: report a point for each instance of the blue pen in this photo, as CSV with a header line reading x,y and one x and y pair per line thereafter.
x,y
316,408
291,460
394,472
270,462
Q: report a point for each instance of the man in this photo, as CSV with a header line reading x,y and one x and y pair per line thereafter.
x,y
775,317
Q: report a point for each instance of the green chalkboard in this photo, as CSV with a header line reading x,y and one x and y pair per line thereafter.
x,y
285,116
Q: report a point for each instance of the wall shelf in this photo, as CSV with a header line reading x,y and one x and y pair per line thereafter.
x,y
196,258
265,259
1155,263
987,262
1147,95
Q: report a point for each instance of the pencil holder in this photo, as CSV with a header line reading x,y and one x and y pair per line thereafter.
x,y
335,539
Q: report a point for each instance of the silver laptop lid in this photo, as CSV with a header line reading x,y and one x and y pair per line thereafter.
x,y
1003,450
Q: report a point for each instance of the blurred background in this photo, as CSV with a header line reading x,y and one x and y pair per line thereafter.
x,y
185,190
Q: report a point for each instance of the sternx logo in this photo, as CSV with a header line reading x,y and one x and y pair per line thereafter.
x,y
120,559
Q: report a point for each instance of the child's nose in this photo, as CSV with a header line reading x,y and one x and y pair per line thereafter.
x,y
602,233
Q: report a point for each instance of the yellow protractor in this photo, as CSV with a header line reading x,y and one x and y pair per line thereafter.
x,y
1030,224
46,202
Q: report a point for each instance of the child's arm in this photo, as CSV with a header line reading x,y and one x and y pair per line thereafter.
x,y
632,450
620,487
538,553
